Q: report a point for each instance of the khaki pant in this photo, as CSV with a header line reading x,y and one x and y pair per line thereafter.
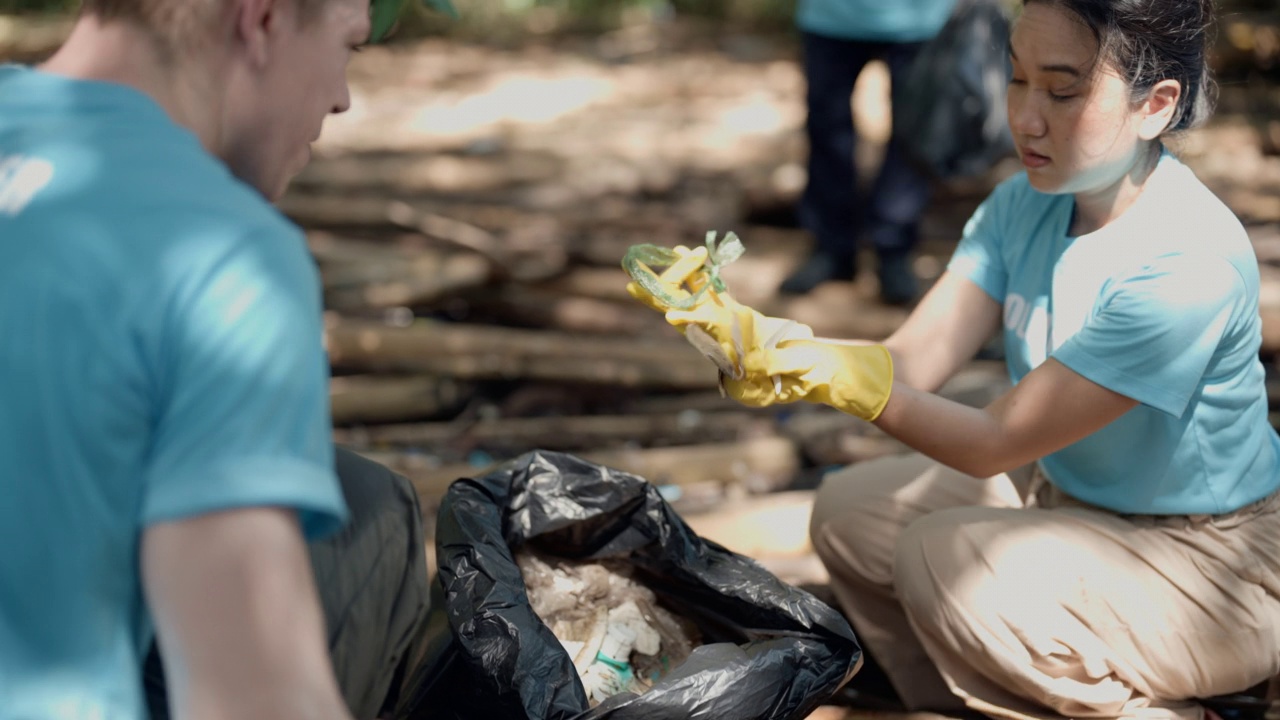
x,y
1007,596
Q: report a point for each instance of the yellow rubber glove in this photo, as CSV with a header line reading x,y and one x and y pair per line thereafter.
x,y
737,329
734,327
856,379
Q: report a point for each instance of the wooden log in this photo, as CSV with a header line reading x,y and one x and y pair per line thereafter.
x,y
760,465
710,401
1266,242
531,248
839,310
537,306
563,433
382,398
829,437
479,352
600,283
416,174
1269,308
362,275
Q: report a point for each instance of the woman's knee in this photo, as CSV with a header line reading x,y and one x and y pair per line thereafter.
x,y
857,486
855,519
935,562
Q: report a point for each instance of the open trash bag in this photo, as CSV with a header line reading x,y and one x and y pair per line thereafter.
x,y
771,650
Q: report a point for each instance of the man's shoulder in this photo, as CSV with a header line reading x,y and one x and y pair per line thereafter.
x,y
114,156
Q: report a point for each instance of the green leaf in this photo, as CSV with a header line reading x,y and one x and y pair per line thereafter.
x,y
383,15
442,6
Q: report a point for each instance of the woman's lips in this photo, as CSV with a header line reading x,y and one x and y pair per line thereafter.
x,y
1033,159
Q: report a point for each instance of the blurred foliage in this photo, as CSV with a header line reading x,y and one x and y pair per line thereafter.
x,y
13,7
499,19
583,14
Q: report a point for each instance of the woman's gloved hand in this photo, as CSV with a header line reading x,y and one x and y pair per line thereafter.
x,y
856,379
735,328
687,270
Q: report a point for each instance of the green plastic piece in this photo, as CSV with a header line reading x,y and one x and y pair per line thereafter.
x,y
718,255
384,13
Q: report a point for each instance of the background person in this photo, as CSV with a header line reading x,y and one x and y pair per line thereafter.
x,y
840,37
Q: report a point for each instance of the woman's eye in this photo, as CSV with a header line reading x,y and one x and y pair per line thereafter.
x,y
1017,81
1059,98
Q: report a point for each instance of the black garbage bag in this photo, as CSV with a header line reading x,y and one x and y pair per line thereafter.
x,y
949,111
773,651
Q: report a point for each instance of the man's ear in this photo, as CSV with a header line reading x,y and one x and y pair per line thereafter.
x,y
1157,111
255,21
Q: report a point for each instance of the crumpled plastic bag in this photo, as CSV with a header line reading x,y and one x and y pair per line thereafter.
x,y
949,110
581,600
772,652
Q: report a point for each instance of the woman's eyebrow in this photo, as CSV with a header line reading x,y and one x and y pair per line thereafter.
x,y
1066,69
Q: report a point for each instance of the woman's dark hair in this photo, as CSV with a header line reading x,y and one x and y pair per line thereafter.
x,y
1153,40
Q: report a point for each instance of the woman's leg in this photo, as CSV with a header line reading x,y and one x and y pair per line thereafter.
x,y
1072,611
858,516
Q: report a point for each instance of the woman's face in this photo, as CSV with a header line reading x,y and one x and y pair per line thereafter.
x,y
1075,125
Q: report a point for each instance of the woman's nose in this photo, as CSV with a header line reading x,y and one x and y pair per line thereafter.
x,y
1025,116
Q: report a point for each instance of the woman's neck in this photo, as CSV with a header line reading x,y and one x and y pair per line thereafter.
x,y
1095,209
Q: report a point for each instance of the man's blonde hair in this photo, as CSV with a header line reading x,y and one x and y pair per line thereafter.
x,y
175,22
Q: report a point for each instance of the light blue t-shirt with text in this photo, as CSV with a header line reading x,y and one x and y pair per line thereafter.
x,y
162,358
1161,306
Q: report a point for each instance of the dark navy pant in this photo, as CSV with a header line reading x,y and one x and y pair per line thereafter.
x,y
831,207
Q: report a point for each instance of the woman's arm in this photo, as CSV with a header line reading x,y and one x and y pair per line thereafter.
x,y
951,323
1050,409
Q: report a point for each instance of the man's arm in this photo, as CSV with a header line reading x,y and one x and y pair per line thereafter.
x,y
237,618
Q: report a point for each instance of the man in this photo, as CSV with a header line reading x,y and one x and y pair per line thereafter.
x,y
840,38
164,427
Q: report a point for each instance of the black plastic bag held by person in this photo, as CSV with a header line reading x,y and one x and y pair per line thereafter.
x,y
773,651
949,113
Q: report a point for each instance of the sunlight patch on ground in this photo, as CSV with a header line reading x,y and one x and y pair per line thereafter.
x,y
760,113
515,99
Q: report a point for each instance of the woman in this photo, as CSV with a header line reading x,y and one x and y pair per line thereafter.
x,y
1103,540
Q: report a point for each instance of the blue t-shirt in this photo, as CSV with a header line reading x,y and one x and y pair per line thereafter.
x,y
1161,306
899,21
162,358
